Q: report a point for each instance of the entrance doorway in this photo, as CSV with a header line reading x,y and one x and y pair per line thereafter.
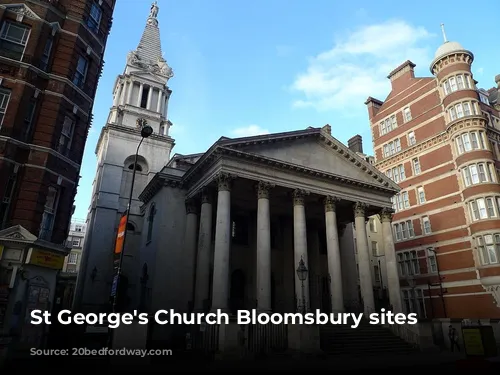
x,y
237,291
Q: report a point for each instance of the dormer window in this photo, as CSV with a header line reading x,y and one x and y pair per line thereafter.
x,y
484,98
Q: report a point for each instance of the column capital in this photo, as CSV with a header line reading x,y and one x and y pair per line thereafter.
x,y
386,214
206,195
224,181
263,189
191,206
298,197
360,209
330,203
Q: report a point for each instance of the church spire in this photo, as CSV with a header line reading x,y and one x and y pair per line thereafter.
x,y
149,48
148,55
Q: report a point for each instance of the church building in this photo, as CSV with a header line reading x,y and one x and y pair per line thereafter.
x,y
229,227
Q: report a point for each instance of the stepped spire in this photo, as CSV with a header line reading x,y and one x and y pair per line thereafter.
x,y
148,54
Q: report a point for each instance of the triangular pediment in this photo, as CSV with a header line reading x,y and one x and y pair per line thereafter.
x,y
23,11
17,233
317,151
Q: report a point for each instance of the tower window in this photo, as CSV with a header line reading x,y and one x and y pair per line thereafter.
x,y
138,168
144,98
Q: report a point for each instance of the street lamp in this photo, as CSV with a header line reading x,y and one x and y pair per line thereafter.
x,y
431,249
302,274
146,131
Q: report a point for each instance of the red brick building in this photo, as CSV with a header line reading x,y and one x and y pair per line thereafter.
x,y
439,138
51,58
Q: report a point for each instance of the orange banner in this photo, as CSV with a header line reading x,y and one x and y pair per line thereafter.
x,y
121,234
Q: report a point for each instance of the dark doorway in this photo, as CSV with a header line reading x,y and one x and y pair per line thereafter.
x,y
237,292
326,299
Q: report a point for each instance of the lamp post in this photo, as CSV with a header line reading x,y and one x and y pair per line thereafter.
x,y
431,249
146,131
302,274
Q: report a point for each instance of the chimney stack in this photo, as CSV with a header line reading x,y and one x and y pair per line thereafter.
x,y
356,144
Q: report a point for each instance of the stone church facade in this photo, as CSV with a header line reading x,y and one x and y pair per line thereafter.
x,y
227,228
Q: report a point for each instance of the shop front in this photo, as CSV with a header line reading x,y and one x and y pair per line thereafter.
x,y
28,277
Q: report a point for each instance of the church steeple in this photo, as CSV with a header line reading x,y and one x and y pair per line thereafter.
x,y
149,48
142,91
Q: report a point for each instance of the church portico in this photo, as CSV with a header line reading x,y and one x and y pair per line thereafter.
x,y
253,227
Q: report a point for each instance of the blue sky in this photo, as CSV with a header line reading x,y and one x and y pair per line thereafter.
x,y
260,66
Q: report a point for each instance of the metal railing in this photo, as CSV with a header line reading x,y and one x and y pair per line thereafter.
x,y
266,338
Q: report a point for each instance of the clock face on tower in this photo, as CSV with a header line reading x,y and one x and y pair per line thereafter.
x,y
141,122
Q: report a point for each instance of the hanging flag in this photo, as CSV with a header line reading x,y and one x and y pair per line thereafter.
x,y
121,234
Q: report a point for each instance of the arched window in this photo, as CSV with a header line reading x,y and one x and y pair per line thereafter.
x,y
138,167
151,217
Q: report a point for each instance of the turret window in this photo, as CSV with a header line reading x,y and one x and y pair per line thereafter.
x,y
469,142
455,83
461,110
478,173
484,208
489,248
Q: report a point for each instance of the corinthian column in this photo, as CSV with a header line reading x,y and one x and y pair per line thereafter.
x,y
333,254
202,291
391,262
263,247
365,274
220,287
300,246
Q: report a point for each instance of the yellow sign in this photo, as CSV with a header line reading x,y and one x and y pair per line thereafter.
x,y
45,259
473,341
1,251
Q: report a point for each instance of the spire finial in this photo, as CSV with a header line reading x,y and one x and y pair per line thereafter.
x,y
444,33
154,10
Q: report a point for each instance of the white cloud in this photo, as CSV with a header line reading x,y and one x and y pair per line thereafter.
x,y
357,65
480,71
249,131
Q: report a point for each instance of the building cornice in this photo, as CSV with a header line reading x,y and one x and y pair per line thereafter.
x,y
133,131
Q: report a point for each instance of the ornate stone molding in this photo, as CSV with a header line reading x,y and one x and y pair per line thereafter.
x,y
330,203
224,181
445,61
299,196
386,214
191,207
16,236
465,123
263,189
360,209
206,196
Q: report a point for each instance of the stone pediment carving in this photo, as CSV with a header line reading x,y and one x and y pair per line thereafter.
x,y
22,10
160,67
17,233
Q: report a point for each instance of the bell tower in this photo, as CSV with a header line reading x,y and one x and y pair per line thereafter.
x,y
140,97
